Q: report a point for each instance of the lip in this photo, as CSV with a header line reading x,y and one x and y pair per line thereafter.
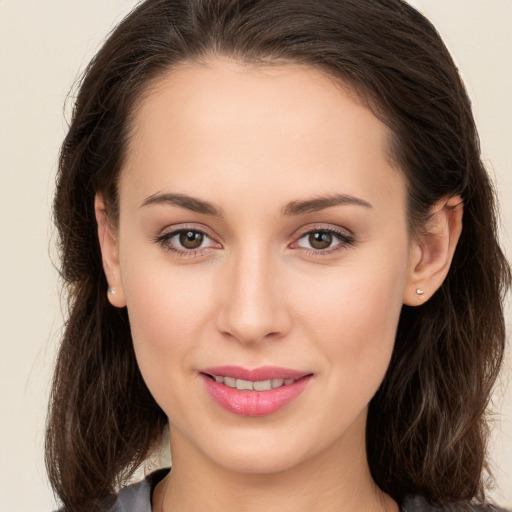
x,y
254,403
255,374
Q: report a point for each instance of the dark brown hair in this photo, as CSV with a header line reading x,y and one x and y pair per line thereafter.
x,y
426,429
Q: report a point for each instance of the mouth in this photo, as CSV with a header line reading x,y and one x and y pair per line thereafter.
x,y
249,385
257,392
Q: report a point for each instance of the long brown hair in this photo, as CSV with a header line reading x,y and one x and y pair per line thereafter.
x,y
426,429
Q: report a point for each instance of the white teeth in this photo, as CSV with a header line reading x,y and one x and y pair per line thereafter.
x,y
248,385
230,381
262,385
243,384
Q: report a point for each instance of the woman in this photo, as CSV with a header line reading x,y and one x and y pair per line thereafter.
x,y
280,242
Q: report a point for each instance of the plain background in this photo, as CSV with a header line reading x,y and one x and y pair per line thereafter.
x,y
44,44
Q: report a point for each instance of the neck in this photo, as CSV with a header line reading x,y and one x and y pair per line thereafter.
x,y
336,480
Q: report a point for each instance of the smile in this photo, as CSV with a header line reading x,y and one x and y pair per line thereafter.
x,y
248,385
257,392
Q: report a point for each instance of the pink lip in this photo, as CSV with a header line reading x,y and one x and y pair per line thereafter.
x,y
254,403
255,374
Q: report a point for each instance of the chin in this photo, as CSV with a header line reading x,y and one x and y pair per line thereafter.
x,y
258,463
265,450
254,451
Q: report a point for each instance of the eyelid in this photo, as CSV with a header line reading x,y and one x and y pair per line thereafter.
x,y
191,226
345,236
312,228
171,231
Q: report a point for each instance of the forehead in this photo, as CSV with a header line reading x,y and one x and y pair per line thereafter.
x,y
277,125
221,89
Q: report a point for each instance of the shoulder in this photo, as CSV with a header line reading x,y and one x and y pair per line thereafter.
x,y
420,504
137,497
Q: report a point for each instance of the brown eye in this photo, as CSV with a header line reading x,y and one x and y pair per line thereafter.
x,y
324,241
191,239
320,239
187,242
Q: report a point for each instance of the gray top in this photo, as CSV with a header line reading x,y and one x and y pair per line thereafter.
x,y
137,498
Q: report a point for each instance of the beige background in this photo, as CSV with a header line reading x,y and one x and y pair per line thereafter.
x,y
43,46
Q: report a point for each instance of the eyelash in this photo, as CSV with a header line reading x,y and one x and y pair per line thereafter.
x,y
344,240
164,242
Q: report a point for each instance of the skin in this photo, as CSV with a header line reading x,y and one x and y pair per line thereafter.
x,y
252,141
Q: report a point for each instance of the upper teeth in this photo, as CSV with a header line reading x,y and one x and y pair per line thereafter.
x,y
260,385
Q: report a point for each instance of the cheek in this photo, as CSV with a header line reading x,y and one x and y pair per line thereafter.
x,y
164,307
354,316
167,309
167,316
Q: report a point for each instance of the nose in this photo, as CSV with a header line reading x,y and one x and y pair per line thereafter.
x,y
253,306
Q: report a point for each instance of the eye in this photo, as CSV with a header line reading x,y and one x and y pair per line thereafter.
x,y
317,240
186,241
324,241
189,239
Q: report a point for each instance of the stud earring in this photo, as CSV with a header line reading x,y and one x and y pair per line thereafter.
x,y
112,290
419,293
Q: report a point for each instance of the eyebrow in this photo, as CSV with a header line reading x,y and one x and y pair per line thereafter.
x,y
321,203
197,205
184,201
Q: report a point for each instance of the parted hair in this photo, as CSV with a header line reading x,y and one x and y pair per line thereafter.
x,y
427,424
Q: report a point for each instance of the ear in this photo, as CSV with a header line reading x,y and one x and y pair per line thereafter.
x,y
109,254
432,251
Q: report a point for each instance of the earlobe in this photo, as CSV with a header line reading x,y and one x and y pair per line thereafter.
x,y
109,254
432,251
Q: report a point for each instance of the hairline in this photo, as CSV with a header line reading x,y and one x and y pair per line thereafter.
x,y
209,58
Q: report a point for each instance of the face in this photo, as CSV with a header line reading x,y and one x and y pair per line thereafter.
x,y
262,238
